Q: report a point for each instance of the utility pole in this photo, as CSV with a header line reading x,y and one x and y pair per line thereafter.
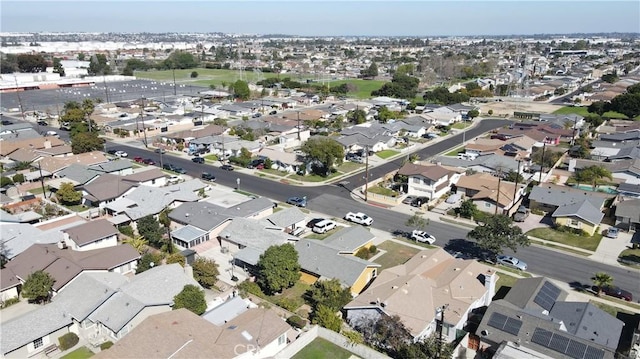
x,y
44,193
366,171
515,190
299,138
174,80
544,146
498,194
144,129
19,99
106,89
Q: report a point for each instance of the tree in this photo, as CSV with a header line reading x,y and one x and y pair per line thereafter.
x,y
278,268
401,86
416,221
597,107
600,280
176,258
149,228
327,318
384,114
473,114
148,261
241,90
98,65
467,209
386,333
370,72
498,232
5,181
514,176
18,178
325,150
357,116
180,60
37,287
205,272
57,67
329,293
138,243
165,220
627,104
31,63
67,194
191,298
84,142
194,74
592,175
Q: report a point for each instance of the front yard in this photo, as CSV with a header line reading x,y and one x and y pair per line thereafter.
x,y
630,257
396,254
570,239
386,154
80,353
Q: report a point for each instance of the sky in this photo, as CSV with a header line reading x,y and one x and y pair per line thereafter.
x,y
323,18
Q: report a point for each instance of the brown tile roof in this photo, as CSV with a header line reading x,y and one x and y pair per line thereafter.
x,y
91,231
9,146
65,264
24,155
55,164
164,335
430,279
433,172
487,187
107,187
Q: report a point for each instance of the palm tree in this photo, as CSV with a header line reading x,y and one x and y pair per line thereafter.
x,y
596,173
164,219
137,242
600,280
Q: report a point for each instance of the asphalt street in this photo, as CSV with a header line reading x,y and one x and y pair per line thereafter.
x,y
336,200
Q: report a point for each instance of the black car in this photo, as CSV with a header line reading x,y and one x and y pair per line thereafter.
x,y
208,176
148,161
169,167
419,201
255,163
112,152
199,160
7,122
312,223
226,167
43,123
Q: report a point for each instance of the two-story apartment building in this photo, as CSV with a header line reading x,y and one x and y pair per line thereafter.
x,y
431,181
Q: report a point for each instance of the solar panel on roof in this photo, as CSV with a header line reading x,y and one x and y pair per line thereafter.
x,y
504,323
565,345
547,296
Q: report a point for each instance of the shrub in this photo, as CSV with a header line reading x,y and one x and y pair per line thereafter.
x,y
18,178
10,302
194,74
126,230
373,249
106,345
247,287
537,212
5,181
363,253
296,322
288,304
244,162
68,340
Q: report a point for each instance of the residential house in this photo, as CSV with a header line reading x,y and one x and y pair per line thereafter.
x,y
626,171
431,181
36,143
64,264
443,116
570,207
255,333
98,307
91,235
628,214
490,194
363,136
153,177
535,315
493,163
292,219
201,221
539,136
629,190
320,261
282,161
415,291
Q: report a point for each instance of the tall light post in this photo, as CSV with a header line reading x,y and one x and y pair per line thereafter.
x,y
544,147
366,171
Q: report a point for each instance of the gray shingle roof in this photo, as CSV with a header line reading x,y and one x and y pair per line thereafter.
x,y
560,196
111,166
629,209
491,161
254,234
583,209
79,173
584,320
206,216
96,288
286,217
348,239
320,259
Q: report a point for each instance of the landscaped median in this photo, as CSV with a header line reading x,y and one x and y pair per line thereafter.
x,y
566,238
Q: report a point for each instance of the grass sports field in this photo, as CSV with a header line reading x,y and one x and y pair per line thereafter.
x,y
217,77
582,111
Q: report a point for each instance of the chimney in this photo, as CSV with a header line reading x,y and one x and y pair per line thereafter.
x,y
47,144
490,279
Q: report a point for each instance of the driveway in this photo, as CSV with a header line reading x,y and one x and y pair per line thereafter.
x,y
534,221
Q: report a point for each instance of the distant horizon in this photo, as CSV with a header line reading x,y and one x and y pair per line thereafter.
x,y
309,18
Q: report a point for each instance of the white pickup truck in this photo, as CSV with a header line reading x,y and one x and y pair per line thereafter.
x,y
359,218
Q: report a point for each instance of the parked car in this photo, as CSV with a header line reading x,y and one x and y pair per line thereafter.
x,y
256,163
408,199
359,218
615,292
174,179
138,159
512,262
160,150
312,223
179,170
612,232
112,152
521,214
121,154
148,161
7,122
324,226
199,160
207,176
422,236
297,201
419,201
42,123
226,167
169,167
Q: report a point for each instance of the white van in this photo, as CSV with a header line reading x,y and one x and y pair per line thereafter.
x,y
324,226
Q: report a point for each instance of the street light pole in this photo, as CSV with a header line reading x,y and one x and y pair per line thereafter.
x,y
366,171
544,147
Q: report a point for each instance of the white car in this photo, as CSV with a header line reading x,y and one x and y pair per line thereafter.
x,y
422,236
324,226
512,262
121,154
359,218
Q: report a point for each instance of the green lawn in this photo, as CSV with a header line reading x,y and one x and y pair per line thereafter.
x,y
396,254
321,236
348,166
274,172
383,191
583,111
386,154
37,190
363,87
574,240
80,353
455,152
461,125
630,255
211,158
313,177
322,349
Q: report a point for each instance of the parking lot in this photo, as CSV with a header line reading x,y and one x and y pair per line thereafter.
x,y
52,101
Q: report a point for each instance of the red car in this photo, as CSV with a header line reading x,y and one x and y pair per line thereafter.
x,y
138,159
